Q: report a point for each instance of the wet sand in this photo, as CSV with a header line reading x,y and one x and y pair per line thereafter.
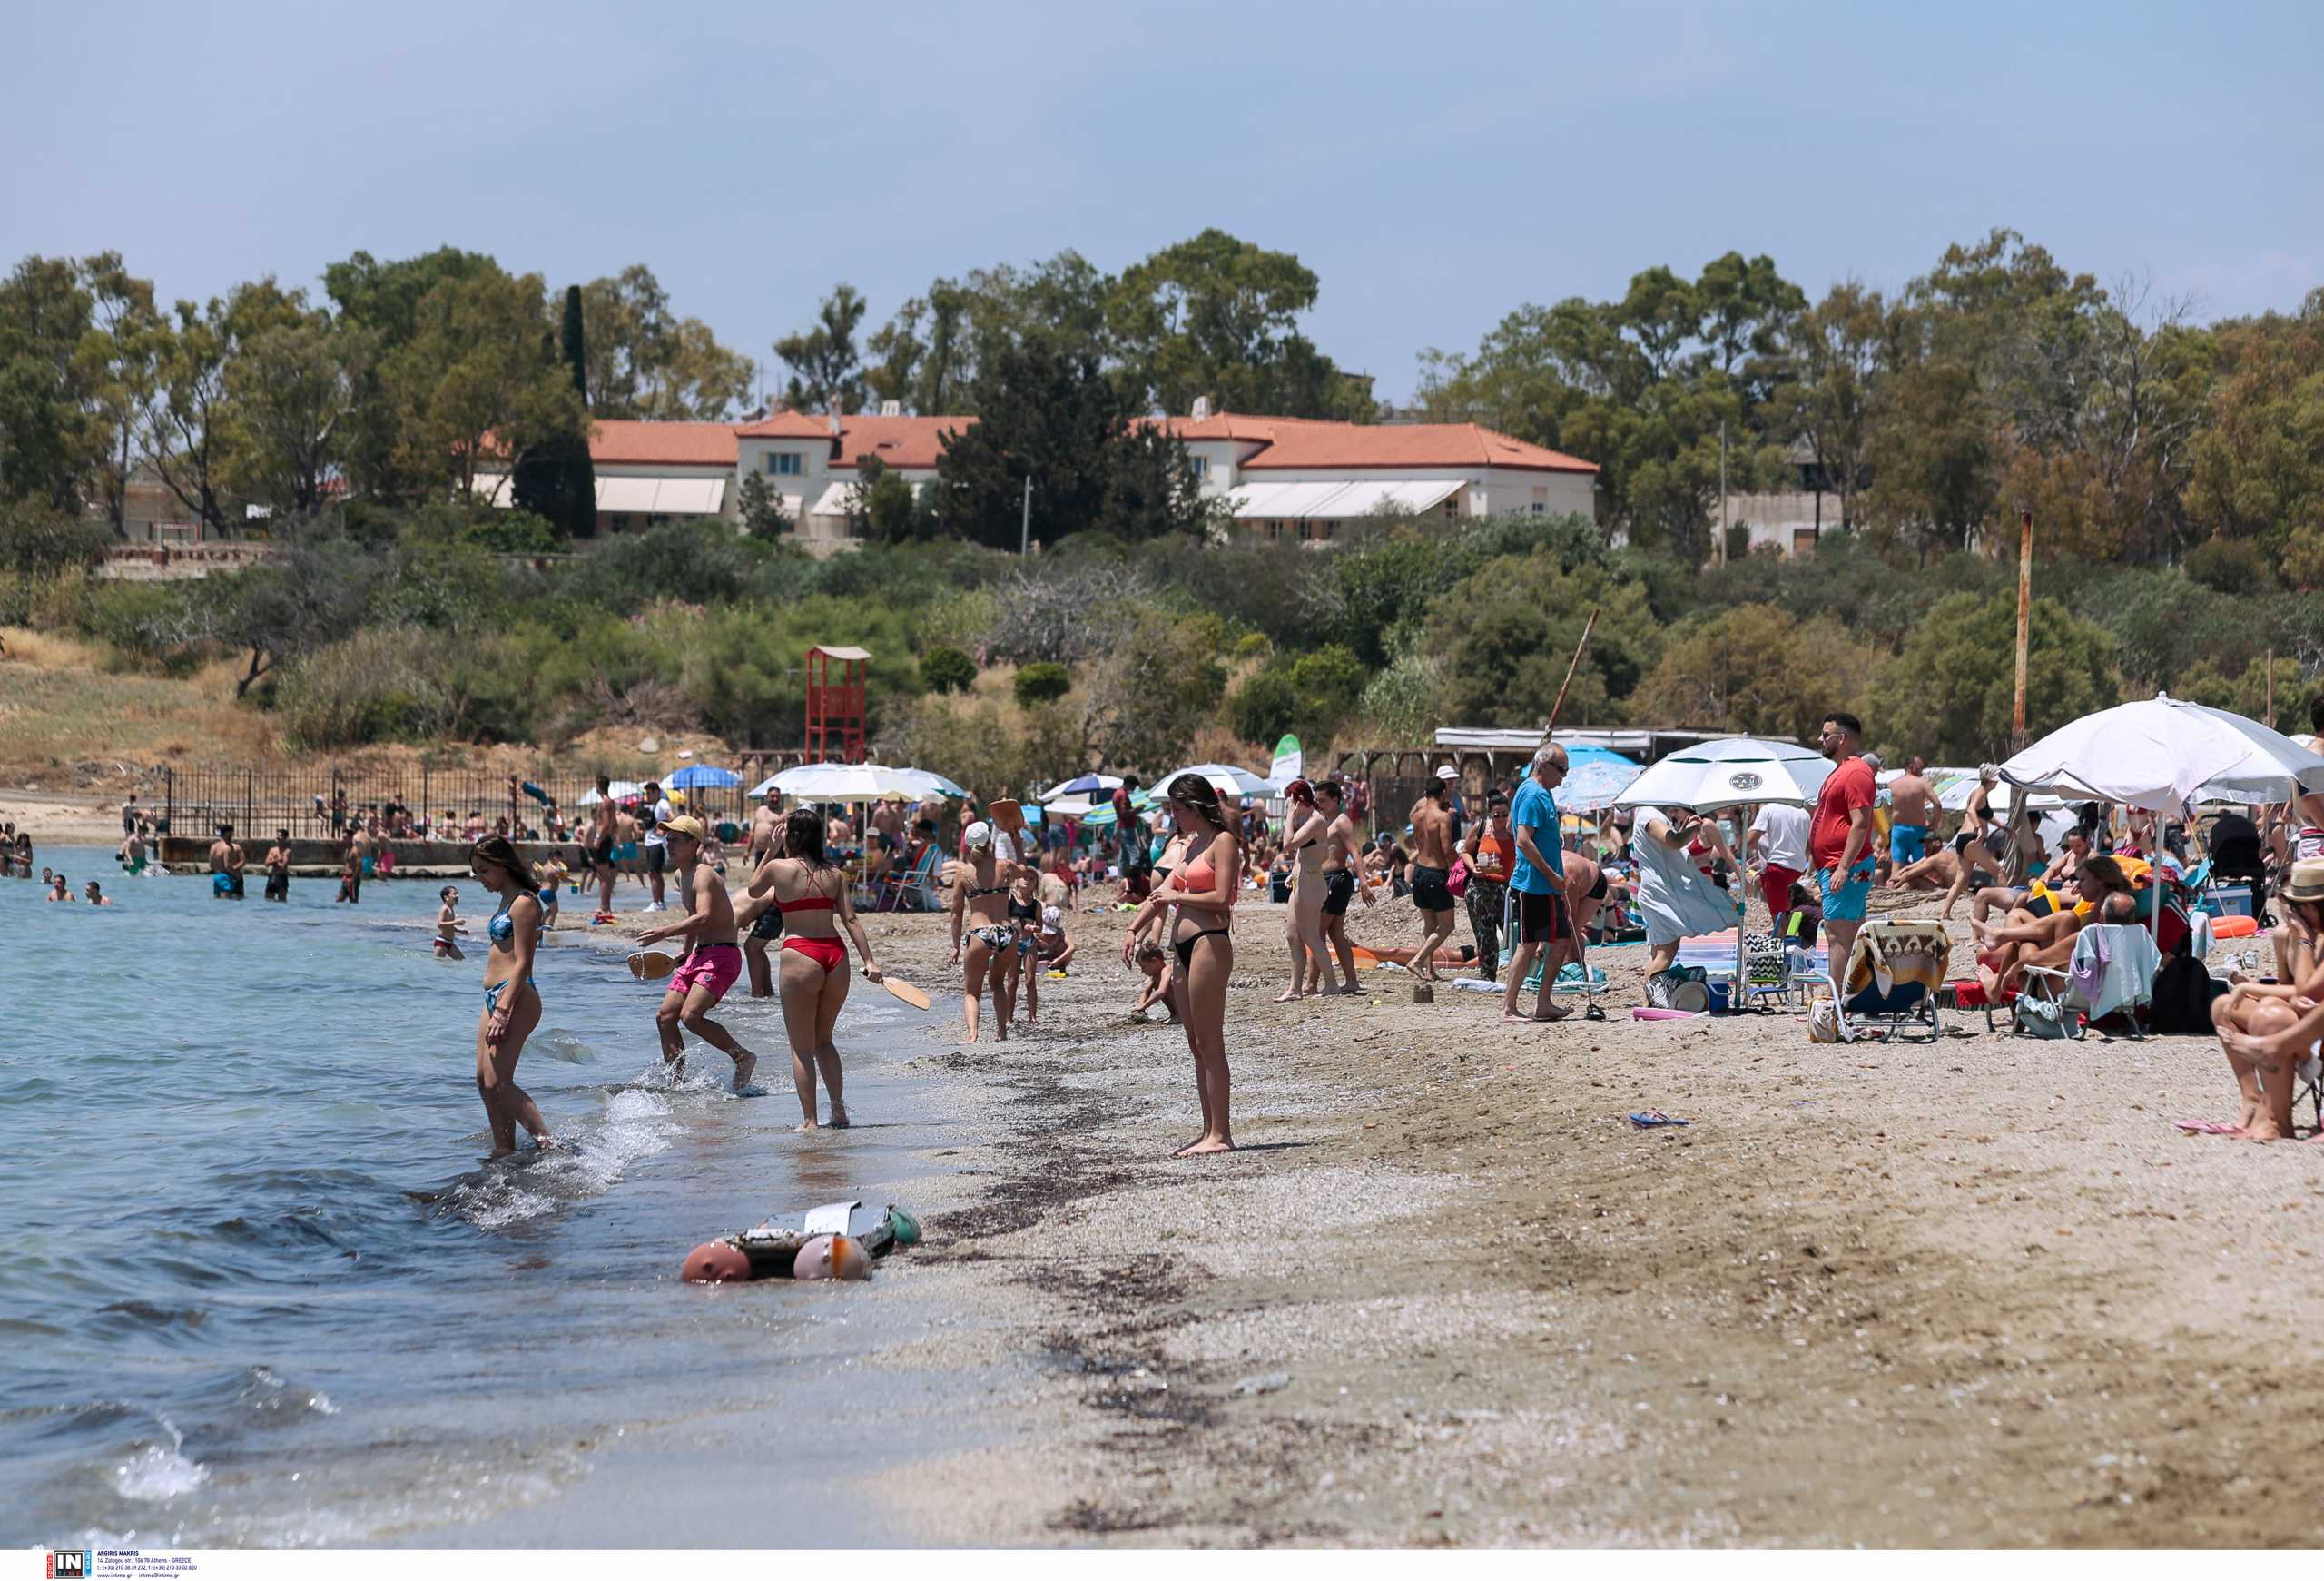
x,y
1977,1293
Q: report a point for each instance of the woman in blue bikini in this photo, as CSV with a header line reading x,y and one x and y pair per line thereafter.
x,y
512,1005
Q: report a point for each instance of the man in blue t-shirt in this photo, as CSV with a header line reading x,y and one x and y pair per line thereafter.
x,y
1536,886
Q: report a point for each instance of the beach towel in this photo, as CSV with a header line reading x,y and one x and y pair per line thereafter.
x,y
1670,891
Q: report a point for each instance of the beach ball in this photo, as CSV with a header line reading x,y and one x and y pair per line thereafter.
x,y
716,1262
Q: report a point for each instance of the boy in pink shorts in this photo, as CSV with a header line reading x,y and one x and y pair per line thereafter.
x,y
714,958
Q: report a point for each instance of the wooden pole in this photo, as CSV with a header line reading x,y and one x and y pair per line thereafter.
x,y
2024,614
1555,708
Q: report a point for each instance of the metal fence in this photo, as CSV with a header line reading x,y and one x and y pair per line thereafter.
x,y
319,804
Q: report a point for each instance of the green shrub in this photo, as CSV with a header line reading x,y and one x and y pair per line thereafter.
x,y
378,685
39,542
164,625
512,532
2233,566
1045,682
946,669
1263,707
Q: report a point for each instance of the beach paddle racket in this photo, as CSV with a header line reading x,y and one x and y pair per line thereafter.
x,y
915,997
651,966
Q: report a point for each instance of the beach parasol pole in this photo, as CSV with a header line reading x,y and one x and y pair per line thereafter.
x,y
1555,708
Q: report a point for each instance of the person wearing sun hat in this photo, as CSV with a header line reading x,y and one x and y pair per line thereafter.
x,y
979,883
2269,1038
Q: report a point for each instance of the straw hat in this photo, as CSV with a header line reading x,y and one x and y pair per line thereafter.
x,y
2307,880
685,824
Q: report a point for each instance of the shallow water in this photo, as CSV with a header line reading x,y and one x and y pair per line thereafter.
x,y
262,1287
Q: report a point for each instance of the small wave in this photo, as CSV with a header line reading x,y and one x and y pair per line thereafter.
x,y
159,1317
269,1394
589,1159
156,1471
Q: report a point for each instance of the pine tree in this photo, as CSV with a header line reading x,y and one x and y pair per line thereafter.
x,y
581,476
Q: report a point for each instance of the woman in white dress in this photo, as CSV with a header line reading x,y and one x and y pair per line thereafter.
x,y
1678,900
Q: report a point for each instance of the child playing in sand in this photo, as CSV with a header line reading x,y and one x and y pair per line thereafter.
x,y
1154,960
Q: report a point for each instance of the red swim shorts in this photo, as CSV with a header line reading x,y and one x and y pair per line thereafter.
x,y
712,966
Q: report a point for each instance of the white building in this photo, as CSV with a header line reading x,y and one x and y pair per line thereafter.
x,y
1282,476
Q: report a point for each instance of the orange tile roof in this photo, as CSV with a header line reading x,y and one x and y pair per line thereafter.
x,y
1405,445
899,441
624,443
787,424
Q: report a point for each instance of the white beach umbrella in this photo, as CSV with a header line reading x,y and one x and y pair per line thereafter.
x,y
2164,754
616,790
1231,781
1740,770
843,782
932,784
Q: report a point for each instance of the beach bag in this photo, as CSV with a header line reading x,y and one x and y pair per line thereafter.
x,y
1683,988
1823,1021
1456,879
1763,959
2182,998
2046,1018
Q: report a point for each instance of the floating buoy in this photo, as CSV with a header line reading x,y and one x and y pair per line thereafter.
x,y
832,1257
716,1262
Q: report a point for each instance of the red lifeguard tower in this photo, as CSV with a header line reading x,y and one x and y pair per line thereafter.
x,y
835,708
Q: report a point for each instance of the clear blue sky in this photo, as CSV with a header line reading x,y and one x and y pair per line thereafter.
x,y
1436,164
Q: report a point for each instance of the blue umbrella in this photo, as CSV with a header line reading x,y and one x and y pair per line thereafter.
x,y
704,777
1595,776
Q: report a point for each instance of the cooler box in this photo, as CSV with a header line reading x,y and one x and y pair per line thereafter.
x,y
2229,900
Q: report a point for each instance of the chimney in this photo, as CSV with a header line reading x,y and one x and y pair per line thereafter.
x,y
834,422
891,409
1202,409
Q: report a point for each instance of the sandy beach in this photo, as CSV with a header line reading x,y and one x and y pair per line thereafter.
x,y
1977,1293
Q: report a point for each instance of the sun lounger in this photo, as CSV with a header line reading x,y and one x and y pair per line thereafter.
x,y
1894,972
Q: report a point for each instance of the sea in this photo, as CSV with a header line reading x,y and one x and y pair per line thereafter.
x,y
259,1285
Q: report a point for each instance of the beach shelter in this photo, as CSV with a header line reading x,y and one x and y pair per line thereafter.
x,y
1594,776
932,784
618,790
1082,784
1232,782
1738,771
842,781
2163,756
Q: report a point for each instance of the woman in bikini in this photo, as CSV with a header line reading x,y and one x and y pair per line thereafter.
x,y
1204,889
512,1005
979,891
810,896
1304,832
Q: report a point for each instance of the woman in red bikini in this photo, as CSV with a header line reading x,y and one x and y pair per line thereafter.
x,y
812,896
1204,888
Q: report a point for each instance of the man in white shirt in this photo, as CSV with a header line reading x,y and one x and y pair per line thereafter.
x,y
656,844
1778,841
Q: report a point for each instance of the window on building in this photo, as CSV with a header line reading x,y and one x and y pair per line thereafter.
x,y
1202,468
1540,508
621,522
783,463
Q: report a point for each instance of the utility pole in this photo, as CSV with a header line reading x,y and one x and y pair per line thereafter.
x,y
1025,530
1722,491
2025,612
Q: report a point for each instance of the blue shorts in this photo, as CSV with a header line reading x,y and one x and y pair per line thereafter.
x,y
1846,903
1907,843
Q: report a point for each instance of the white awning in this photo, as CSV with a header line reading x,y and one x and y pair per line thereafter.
x,y
1339,502
836,500
626,496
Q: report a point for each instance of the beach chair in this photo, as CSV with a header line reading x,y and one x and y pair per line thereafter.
x,y
2112,973
908,887
1894,972
1571,979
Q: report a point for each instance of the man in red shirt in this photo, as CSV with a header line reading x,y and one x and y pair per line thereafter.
x,y
1839,839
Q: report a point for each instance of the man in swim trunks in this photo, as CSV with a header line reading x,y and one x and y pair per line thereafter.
x,y
1537,887
227,859
654,812
601,847
1432,871
1340,843
278,866
1910,800
766,828
714,959
1839,839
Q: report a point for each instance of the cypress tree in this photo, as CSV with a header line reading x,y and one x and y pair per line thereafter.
x,y
581,476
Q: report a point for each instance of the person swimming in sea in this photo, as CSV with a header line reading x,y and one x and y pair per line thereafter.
x,y
449,925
